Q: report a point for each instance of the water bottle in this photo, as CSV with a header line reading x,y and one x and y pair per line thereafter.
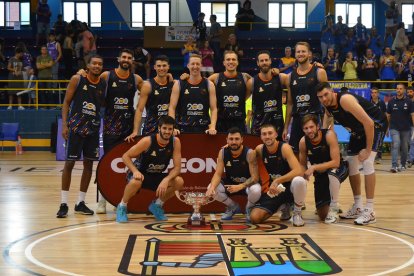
x,y
19,146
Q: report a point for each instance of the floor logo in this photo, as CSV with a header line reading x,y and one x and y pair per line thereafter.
x,y
276,254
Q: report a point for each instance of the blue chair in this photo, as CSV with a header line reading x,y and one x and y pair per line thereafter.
x,y
8,132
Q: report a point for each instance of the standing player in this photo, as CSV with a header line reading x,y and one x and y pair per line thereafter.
x,y
153,154
240,177
301,98
286,186
80,128
367,125
321,148
191,99
154,97
267,93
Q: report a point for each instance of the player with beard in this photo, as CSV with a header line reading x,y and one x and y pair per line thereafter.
x,y
153,154
80,128
367,125
236,173
301,98
320,147
191,100
285,183
154,97
266,89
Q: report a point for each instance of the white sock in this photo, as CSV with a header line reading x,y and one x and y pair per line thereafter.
x,y
81,197
334,186
100,197
159,202
122,203
64,196
358,200
370,204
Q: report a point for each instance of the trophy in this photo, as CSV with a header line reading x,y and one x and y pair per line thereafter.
x,y
195,199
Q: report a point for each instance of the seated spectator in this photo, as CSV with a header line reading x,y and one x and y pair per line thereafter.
x,y
287,63
331,64
200,27
44,64
410,51
400,42
328,36
190,47
375,42
15,67
403,69
386,68
361,36
245,17
207,56
369,66
349,67
341,30
233,45
142,59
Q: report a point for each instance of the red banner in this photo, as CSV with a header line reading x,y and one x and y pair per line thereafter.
x,y
198,164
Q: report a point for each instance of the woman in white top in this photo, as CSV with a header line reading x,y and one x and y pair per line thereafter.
x,y
400,42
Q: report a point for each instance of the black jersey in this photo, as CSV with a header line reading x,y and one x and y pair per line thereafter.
x,y
194,104
319,153
231,97
303,92
275,164
156,158
84,115
157,105
237,168
351,123
267,103
119,111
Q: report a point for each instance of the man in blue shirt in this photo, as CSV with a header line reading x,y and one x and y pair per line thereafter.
x,y
400,114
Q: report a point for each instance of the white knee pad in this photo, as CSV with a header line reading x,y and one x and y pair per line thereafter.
x,y
298,189
368,164
220,194
353,163
254,192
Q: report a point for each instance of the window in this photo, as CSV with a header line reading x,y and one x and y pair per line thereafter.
x,y
225,12
150,14
89,12
11,12
350,13
287,15
406,15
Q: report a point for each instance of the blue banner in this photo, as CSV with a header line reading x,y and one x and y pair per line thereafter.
x,y
359,88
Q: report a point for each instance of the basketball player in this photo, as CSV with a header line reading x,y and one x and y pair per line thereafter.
x,y
80,128
153,154
286,183
367,124
240,176
321,148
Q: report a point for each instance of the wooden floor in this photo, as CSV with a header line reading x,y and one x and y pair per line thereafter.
x,y
35,242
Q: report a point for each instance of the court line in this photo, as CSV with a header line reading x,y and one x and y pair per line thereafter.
x,y
406,264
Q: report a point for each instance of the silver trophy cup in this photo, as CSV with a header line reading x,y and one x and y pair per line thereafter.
x,y
195,199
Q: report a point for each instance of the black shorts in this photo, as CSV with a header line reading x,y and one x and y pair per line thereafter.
x,y
151,180
322,193
223,125
271,205
110,141
77,145
192,129
296,133
358,142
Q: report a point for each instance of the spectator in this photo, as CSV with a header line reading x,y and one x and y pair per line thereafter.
x,y
391,21
349,45
349,67
341,30
79,51
245,17
27,58
201,28
386,68
15,67
369,67
403,69
142,60
375,42
361,36
328,36
60,29
68,53
43,20
207,55
410,95
215,39
331,64
55,52
287,63
44,64
410,52
190,47
88,43
233,45
3,73
30,87
400,42
375,99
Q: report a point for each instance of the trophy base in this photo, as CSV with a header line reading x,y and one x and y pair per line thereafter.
x,y
196,222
